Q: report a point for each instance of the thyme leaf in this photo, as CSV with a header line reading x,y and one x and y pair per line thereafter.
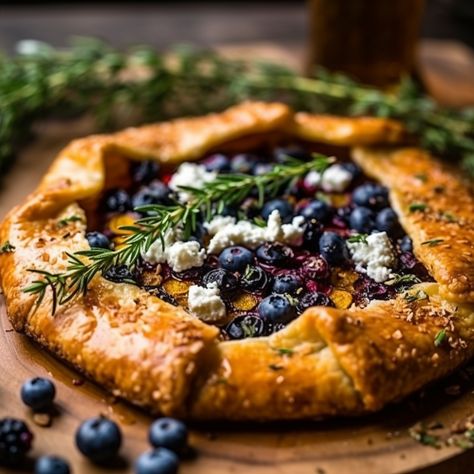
x,y
6,247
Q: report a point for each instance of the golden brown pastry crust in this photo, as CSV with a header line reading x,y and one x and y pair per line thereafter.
x,y
327,362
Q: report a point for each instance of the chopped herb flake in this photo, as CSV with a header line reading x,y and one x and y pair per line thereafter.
x,y
440,338
284,351
423,437
419,295
432,242
7,247
421,177
362,238
64,222
403,280
258,221
448,217
417,207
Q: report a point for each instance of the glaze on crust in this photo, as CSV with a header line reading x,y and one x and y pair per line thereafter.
x,y
157,356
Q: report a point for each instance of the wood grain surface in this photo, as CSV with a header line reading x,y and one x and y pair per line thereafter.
x,y
373,444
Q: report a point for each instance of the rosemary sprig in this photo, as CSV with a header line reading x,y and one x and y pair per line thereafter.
x,y
224,190
92,77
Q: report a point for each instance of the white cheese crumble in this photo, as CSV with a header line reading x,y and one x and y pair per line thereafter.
x,y
206,303
312,179
229,232
180,256
374,257
336,178
190,174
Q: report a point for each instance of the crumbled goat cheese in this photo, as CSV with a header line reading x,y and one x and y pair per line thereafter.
x,y
374,257
185,255
230,232
179,255
312,179
206,303
218,223
336,178
190,174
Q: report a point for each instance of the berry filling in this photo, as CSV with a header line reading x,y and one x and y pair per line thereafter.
x,y
328,238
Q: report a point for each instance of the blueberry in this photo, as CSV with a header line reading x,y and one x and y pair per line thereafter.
x,y
243,163
311,235
256,280
38,393
262,168
157,461
155,193
235,258
313,299
315,267
281,205
168,433
276,309
274,253
344,213
406,244
119,274
99,439
145,171
117,200
225,280
15,440
318,210
355,171
97,239
52,465
217,162
387,221
362,220
248,325
371,195
333,248
287,283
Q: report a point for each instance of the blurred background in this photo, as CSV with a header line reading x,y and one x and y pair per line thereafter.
x,y
162,23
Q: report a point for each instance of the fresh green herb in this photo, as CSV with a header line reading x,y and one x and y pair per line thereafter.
x,y
403,280
258,221
448,217
248,329
275,367
421,177
91,77
284,351
64,222
362,238
440,338
224,190
6,247
418,295
423,437
417,207
432,242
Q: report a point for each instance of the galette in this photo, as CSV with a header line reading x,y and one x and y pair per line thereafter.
x,y
256,264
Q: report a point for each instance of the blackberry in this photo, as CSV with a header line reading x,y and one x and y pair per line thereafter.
x,y
15,439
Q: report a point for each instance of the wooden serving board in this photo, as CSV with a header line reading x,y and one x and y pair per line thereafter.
x,y
371,445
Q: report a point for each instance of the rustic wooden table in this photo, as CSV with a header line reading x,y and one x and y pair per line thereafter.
x,y
376,444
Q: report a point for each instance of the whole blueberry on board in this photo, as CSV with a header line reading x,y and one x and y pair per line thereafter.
x,y
155,193
313,299
157,461
99,439
275,254
287,283
276,309
217,162
52,465
15,440
333,248
38,393
387,221
236,258
168,433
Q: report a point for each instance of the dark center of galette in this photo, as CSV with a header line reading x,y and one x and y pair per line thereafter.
x,y
327,239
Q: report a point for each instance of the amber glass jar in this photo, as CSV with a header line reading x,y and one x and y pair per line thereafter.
x,y
371,40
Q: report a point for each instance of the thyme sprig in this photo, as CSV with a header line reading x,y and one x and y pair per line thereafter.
x,y
211,199
91,77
